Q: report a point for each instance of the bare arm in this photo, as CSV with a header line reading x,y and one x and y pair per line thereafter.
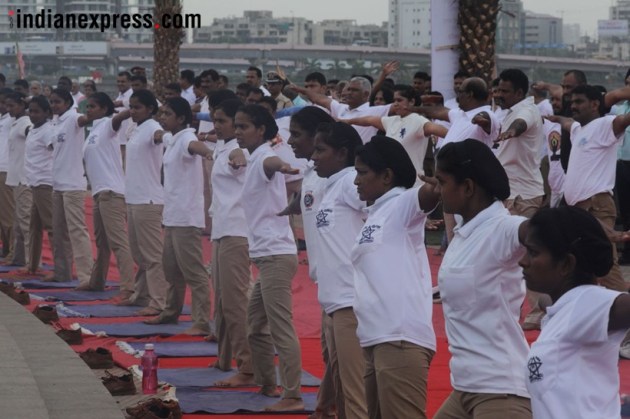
x,y
620,123
316,98
432,112
83,121
516,128
271,165
428,196
237,158
554,89
482,119
199,148
366,121
565,122
119,118
616,95
620,313
388,68
431,128
293,208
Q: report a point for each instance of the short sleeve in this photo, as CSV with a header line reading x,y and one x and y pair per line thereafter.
x,y
589,319
409,207
508,246
387,122
184,144
575,129
607,134
531,116
336,108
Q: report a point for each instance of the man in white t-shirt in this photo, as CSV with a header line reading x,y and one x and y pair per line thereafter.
x,y
357,94
186,82
253,77
590,177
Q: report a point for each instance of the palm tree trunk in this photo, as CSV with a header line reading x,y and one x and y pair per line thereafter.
x,y
166,42
477,21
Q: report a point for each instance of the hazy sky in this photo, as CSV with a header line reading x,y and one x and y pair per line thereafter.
x,y
584,12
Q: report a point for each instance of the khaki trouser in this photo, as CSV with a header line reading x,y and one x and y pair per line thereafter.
x,y
182,259
396,380
346,353
602,207
7,210
527,208
270,320
461,405
110,235
231,274
41,219
327,397
207,192
23,202
144,225
71,238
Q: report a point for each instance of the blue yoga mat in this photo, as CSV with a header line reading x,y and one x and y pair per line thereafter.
x,y
179,349
206,377
36,283
10,268
194,400
103,310
138,329
72,295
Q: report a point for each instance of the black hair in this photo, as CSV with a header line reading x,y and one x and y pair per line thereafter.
x,y
518,79
309,118
478,88
269,101
243,86
5,91
439,94
257,70
317,77
471,159
66,79
219,96
93,83
225,79
64,94
125,74
214,76
17,97
627,74
174,86
460,75
187,75
340,135
229,107
104,101
388,95
382,153
407,92
3,78
591,92
495,82
180,107
579,75
254,90
422,75
261,117
572,230
197,82
146,98
389,82
333,81
21,82
42,102
139,77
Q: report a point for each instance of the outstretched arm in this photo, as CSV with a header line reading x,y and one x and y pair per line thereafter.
x,y
516,128
565,122
118,119
620,123
271,165
616,95
366,121
431,128
432,112
428,196
199,148
620,313
316,98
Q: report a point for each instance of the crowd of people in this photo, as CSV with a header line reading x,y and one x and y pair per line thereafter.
x,y
525,175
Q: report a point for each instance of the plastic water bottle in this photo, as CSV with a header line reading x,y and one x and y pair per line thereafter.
x,y
149,370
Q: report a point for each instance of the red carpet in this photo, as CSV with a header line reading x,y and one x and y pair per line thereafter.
x,y
306,313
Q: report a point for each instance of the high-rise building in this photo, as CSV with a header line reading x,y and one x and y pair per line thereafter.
x,y
542,31
409,24
510,27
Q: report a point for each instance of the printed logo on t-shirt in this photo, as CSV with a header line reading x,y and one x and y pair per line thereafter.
x,y
554,145
583,141
322,217
61,137
533,365
403,131
91,140
367,234
309,199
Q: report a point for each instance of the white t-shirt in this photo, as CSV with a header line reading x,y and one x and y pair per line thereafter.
x,y
343,111
123,132
410,132
206,126
262,199
393,278
144,162
312,192
17,143
189,95
68,140
338,221
572,370
228,216
285,152
545,107
38,156
520,156
482,289
103,161
593,160
78,97
462,128
556,175
5,126
183,182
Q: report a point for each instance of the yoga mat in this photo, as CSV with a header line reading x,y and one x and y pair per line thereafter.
x,y
103,310
138,329
10,268
206,377
36,283
178,349
193,400
72,295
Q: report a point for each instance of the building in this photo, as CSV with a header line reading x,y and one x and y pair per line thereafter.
x,y
510,27
621,11
571,33
409,24
347,32
542,31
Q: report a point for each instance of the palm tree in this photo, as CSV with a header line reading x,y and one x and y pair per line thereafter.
x,y
166,42
477,21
